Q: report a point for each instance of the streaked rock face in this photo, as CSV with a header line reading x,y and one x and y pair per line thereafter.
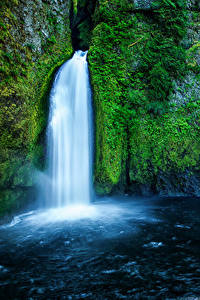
x,y
186,90
38,20
150,4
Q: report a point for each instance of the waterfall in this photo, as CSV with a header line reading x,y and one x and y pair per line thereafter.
x,y
69,135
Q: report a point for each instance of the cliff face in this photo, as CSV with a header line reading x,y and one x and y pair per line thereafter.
x,y
144,64
34,40
144,60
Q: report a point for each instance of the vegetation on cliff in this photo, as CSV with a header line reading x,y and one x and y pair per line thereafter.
x,y
144,66
135,57
33,43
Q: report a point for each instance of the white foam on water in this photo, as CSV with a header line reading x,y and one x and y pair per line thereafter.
x,y
66,213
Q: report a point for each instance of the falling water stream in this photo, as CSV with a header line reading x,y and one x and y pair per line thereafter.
x,y
69,135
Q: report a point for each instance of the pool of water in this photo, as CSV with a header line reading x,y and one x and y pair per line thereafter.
x,y
116,248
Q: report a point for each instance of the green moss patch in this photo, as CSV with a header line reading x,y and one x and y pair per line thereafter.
x,y
135,57
26,73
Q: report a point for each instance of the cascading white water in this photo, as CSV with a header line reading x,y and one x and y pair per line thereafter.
x,y
69,135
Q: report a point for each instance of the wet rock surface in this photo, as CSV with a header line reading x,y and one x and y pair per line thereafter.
x,y
144,4
40,19
182,184
129,249
151,4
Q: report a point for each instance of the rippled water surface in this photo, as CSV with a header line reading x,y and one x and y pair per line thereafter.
x,y
114,249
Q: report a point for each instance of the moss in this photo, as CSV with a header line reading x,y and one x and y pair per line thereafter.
x,y
134,58
169,143
75,3
26,73
13,200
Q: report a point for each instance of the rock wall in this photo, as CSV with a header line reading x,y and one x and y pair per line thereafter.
x,y
35,39
144,63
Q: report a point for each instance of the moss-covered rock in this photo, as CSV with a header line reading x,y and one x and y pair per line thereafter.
x,y
144,73
35,39
144,65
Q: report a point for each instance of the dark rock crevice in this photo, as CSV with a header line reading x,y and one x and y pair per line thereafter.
x,y
81,22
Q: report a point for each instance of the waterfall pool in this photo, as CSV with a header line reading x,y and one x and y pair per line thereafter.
x,y
115,248
111,248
